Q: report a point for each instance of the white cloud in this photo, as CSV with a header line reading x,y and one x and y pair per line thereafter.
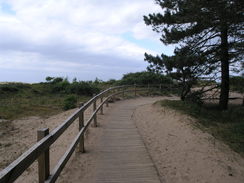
x,y
66,31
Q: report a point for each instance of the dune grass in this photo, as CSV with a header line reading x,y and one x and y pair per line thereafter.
x,y
18,100
227,126
31,105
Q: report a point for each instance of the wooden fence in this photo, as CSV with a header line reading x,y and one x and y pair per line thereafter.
x,y
40,150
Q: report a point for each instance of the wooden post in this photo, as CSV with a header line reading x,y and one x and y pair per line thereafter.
x,y
101,111
107,103
94,109
43,159
113,98
160,87
82,139
135,89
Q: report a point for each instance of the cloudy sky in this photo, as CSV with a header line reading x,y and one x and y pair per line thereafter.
x,y
75,38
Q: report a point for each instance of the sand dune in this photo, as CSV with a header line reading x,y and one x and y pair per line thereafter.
x,y
180,152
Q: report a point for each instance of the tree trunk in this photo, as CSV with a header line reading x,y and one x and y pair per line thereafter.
x,y
224,94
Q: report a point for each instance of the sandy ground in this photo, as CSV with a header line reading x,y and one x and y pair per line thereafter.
x,y
183,153
19,135
180,152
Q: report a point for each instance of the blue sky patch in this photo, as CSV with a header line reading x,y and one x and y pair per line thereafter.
x,y
156,46
6,8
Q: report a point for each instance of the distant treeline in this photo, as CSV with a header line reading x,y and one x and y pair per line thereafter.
x,y
57,93
59,85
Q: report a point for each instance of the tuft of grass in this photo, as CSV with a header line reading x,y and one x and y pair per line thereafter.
x,y
227,126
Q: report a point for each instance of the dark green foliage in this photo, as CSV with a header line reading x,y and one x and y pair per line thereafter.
x,y
19,100
111,82
83,88
69,102
237,83
186,66
59,86
144,78
225,125
49,79
12,87
213,27
63,86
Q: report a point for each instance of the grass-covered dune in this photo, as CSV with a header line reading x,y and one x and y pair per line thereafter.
x,y
20,99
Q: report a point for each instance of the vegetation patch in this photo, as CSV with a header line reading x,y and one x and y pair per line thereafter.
x,y
18,100
70,102
227,126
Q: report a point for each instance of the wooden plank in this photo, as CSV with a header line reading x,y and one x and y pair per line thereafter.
x,y
95,113
122,153
82,139
62,162
43,159
101,110
16,168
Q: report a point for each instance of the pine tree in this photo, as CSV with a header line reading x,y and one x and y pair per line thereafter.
x,y
186,66
214,27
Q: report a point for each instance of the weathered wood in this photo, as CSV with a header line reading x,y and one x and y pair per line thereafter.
x,y
43,159
81,125
62,162
95,115
101,110
122,153
16,168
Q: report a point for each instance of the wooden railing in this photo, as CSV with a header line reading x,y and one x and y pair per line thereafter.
x,y
40,150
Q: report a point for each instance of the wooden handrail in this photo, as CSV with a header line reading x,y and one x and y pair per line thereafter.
x,y
17,167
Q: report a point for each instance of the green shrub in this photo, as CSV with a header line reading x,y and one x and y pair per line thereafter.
x,y
63,86
60,87
82,88
144,78
13,87
69,102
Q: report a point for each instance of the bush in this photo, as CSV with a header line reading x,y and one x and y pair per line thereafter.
x,y
69,102
60,87
144,78
63,86
82,88
13,87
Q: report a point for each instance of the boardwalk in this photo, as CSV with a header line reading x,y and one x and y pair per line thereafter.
x,y
122,153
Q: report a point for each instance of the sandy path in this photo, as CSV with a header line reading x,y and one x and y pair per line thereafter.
x,y
91,162
180,152
183,153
